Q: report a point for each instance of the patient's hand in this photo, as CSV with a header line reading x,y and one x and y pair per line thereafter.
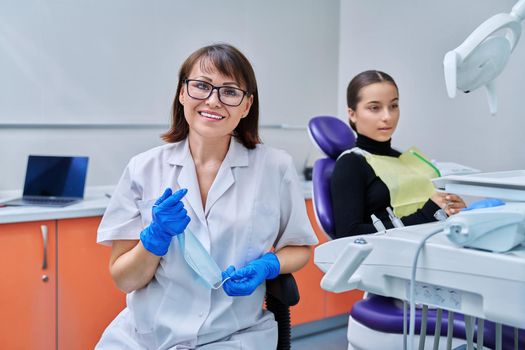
x,y
451,203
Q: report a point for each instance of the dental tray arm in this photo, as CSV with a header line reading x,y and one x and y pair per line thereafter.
x,y
340,277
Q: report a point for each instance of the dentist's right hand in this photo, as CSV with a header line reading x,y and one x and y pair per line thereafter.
x,y
169,219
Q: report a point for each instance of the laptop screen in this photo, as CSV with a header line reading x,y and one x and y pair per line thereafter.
x,y
55,176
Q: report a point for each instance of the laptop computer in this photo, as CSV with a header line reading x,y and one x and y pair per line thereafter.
x,y
53,181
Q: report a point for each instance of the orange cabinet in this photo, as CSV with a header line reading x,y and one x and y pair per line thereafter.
x,y
311,305
87,297
67,304
28,288
316,303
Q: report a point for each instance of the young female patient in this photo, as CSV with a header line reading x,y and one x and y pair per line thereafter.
x,y
373,176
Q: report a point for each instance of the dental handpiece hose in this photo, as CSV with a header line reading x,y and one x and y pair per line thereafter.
x,y
396,222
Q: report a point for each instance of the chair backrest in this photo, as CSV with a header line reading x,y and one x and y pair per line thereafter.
x,y
332,136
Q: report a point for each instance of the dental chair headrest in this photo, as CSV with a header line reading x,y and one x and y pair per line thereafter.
x,y
331,135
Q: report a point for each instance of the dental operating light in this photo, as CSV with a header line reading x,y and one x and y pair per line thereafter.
x,y
484,54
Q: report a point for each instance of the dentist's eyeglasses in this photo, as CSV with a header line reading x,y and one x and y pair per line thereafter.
x,y
201,90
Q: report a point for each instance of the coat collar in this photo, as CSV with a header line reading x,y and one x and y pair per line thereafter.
x,y
237,156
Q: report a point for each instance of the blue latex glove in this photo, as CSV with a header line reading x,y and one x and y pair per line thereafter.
x,y
484,203
169,218
244,281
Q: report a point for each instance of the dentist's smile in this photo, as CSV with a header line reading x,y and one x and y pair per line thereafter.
x,y
211,115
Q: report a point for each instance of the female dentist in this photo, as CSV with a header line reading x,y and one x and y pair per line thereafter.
x,y
240,199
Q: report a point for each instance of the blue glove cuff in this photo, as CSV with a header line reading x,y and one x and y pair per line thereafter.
x,y
273,266
484,203
154,241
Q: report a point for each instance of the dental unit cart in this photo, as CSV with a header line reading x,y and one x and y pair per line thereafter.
x,y
475,265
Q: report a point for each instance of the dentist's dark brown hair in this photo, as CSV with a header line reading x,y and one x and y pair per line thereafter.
x,y
228,61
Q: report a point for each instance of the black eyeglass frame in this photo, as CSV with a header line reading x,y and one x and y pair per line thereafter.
x,y
213,87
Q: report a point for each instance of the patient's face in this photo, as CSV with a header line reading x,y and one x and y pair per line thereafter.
x,y
377,112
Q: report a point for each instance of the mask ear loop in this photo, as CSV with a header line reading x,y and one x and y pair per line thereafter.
x,y
220,284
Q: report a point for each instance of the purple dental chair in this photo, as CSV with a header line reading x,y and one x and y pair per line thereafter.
x,y
332,136
376,322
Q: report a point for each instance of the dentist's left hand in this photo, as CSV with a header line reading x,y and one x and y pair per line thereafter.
x,y
244,281
169,218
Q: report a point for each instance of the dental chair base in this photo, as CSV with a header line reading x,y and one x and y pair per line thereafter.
x,y
376,322
361,337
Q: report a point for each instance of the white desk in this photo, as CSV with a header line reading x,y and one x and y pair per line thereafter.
x,y
94,204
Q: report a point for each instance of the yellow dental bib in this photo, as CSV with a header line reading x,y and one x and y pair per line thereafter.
x,y
407,178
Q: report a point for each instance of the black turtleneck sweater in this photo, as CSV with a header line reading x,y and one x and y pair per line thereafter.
x,y
357,192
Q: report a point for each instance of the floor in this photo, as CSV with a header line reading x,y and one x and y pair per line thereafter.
x,y
334,339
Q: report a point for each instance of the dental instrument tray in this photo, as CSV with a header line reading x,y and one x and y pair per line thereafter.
x,y
505,185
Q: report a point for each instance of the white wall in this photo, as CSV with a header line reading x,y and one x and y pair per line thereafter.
x,y
304,53
408,39
116,62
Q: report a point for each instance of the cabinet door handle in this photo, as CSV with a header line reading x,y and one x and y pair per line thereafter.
x,y
43,229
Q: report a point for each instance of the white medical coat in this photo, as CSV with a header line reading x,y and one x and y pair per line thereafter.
x,y
254,204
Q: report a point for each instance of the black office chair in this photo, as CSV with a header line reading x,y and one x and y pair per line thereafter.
x,y
281,293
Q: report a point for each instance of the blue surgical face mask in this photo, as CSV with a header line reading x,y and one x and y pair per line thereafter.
x,y
199,260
